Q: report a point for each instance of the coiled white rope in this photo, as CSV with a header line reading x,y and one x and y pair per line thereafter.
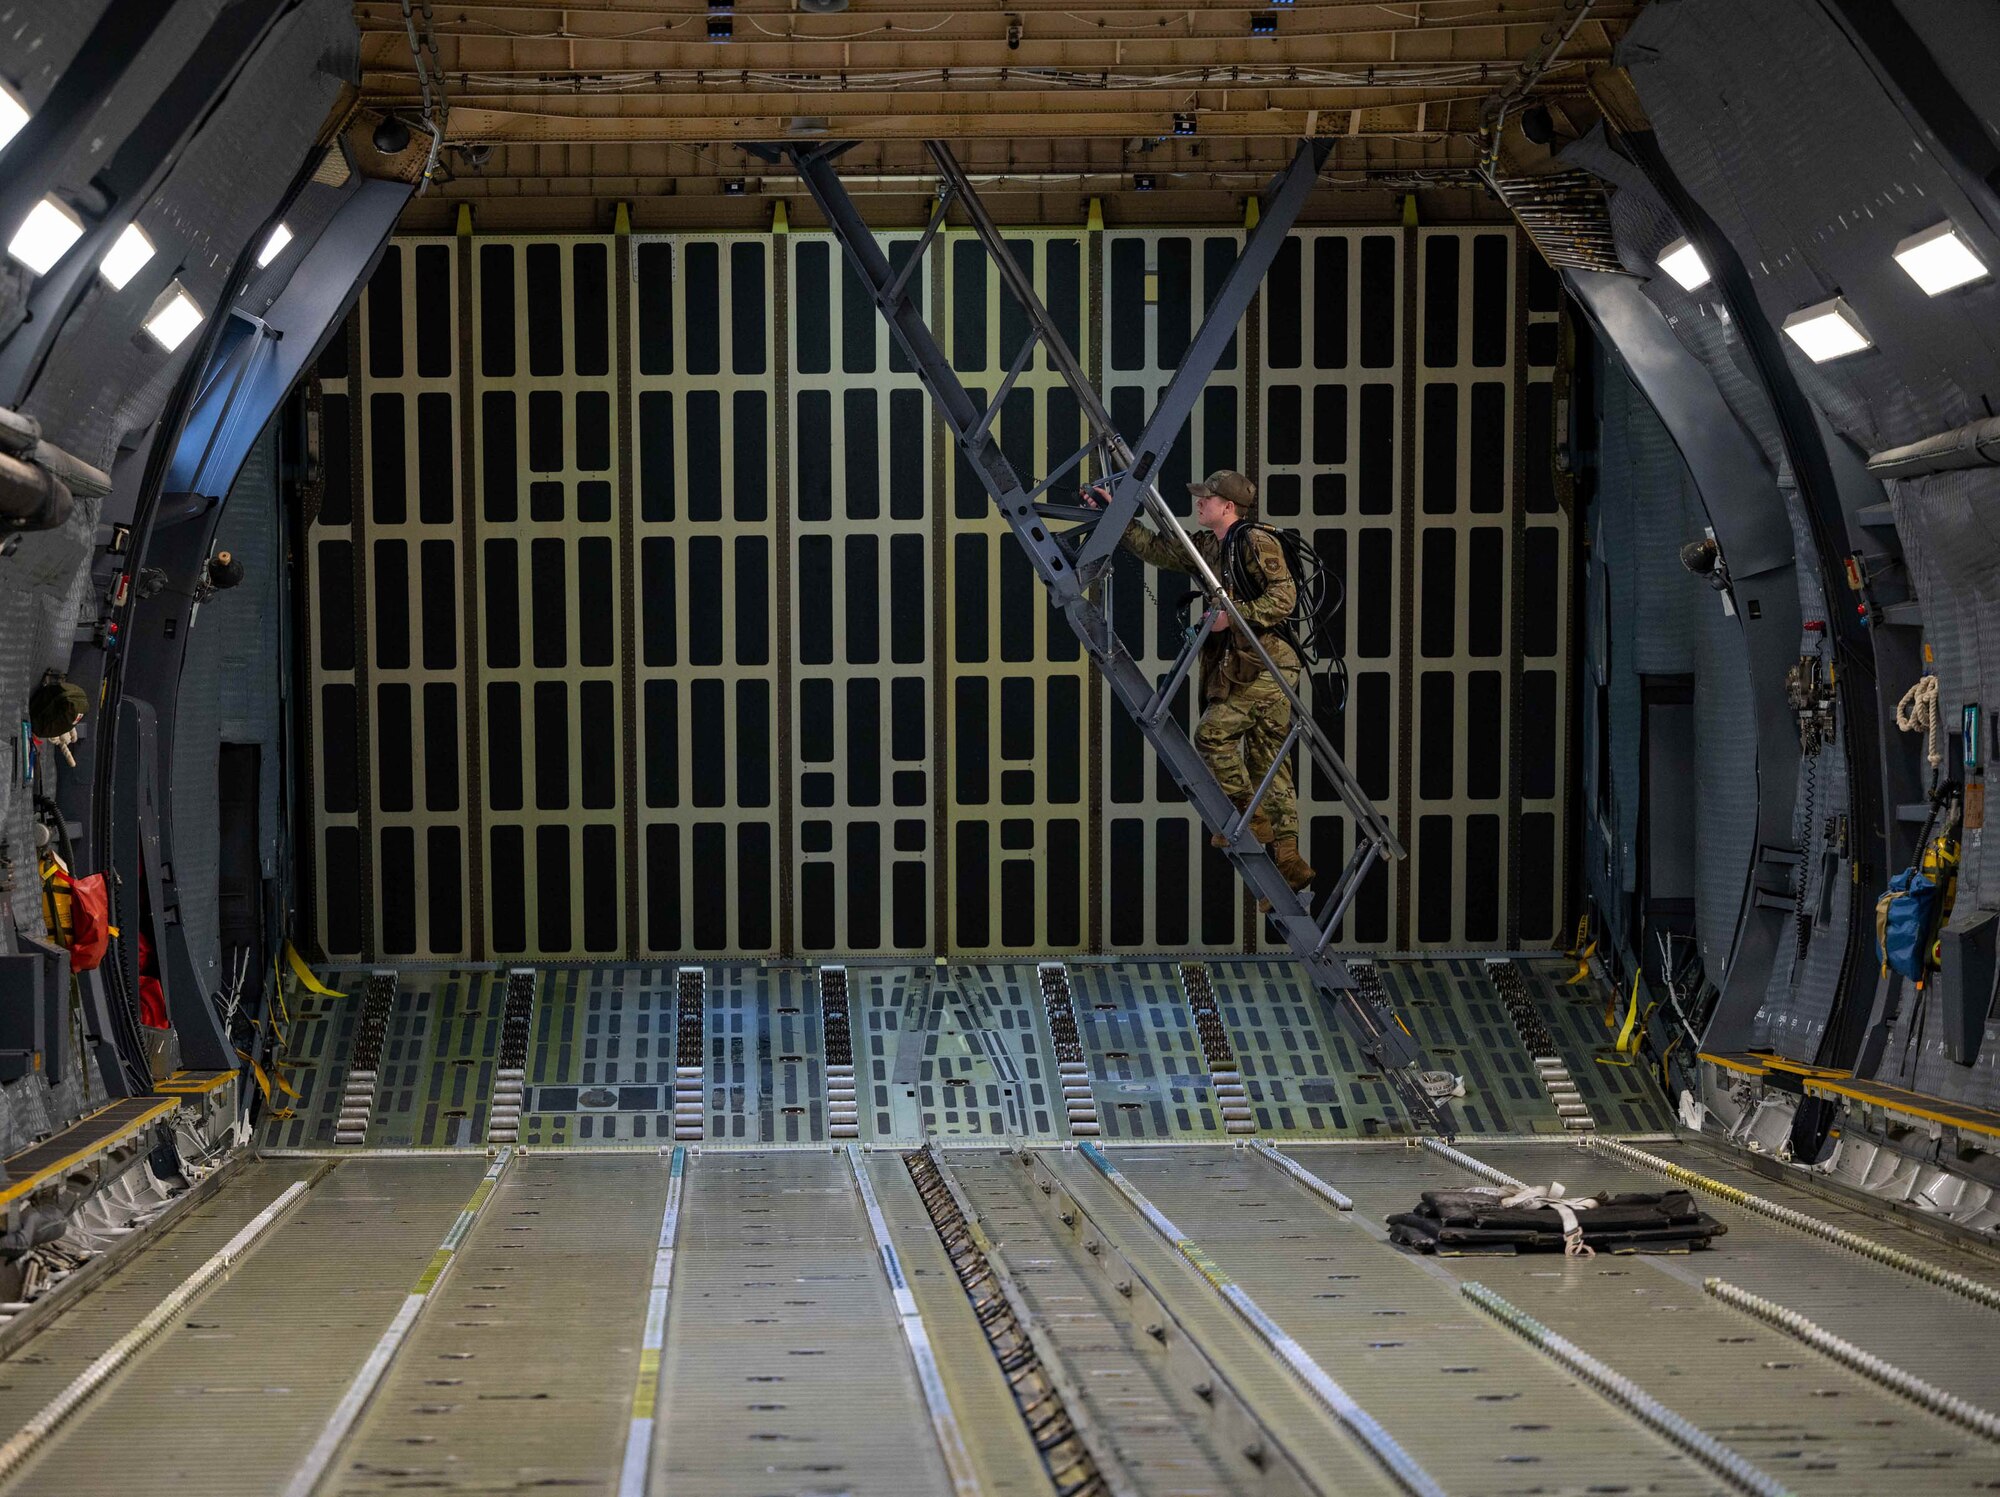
x,y
1917,712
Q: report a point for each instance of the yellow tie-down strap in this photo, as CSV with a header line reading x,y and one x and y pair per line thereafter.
x,y
266,1080
304,974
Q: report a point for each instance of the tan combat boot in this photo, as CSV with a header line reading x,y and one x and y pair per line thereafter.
x,y
1260,827
1297,871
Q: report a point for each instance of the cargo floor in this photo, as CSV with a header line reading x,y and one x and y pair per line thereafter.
x,y
814,1321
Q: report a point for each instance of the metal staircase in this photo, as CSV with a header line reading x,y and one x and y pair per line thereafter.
x,y
1069,560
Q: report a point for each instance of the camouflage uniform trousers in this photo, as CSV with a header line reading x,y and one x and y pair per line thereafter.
x,y
1238,737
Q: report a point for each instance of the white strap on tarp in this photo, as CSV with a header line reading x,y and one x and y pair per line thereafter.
x,y
1549,1197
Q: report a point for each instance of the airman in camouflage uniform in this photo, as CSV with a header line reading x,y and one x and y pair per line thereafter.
x,y
1246,717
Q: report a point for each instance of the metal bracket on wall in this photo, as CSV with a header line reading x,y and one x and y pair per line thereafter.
x,y
1068,560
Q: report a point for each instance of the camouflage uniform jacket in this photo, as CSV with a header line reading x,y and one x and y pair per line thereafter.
x,y
1227,661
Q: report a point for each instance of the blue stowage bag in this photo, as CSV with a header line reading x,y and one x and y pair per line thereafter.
x,y
1903,922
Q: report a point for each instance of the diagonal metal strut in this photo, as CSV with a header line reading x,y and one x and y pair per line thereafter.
x,y
1067,571
1133,485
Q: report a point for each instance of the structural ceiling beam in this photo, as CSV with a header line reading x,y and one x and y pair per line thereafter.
x,y
1011,113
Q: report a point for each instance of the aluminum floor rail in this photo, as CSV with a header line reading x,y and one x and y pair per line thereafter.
x,y
1699,1444
312,1472
26,1440
1078,1461
1330,1395
910,1320
646,1387
1150,1389
1067,563
786,1341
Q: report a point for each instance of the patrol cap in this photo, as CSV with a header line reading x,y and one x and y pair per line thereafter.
x,y
1227,483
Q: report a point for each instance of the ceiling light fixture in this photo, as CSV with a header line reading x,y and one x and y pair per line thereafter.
x,y
720,28
1827,331
1184,124
173,317
126,258
274,246
1683,262
1264,23
45,235
1939,259
13,115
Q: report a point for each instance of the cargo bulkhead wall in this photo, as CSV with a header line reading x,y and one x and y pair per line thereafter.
x,y
661,527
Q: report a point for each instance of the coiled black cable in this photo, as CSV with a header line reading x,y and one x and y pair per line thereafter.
x,y
1313,626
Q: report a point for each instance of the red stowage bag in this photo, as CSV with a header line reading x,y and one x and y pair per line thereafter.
x,y
152,997
90,922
